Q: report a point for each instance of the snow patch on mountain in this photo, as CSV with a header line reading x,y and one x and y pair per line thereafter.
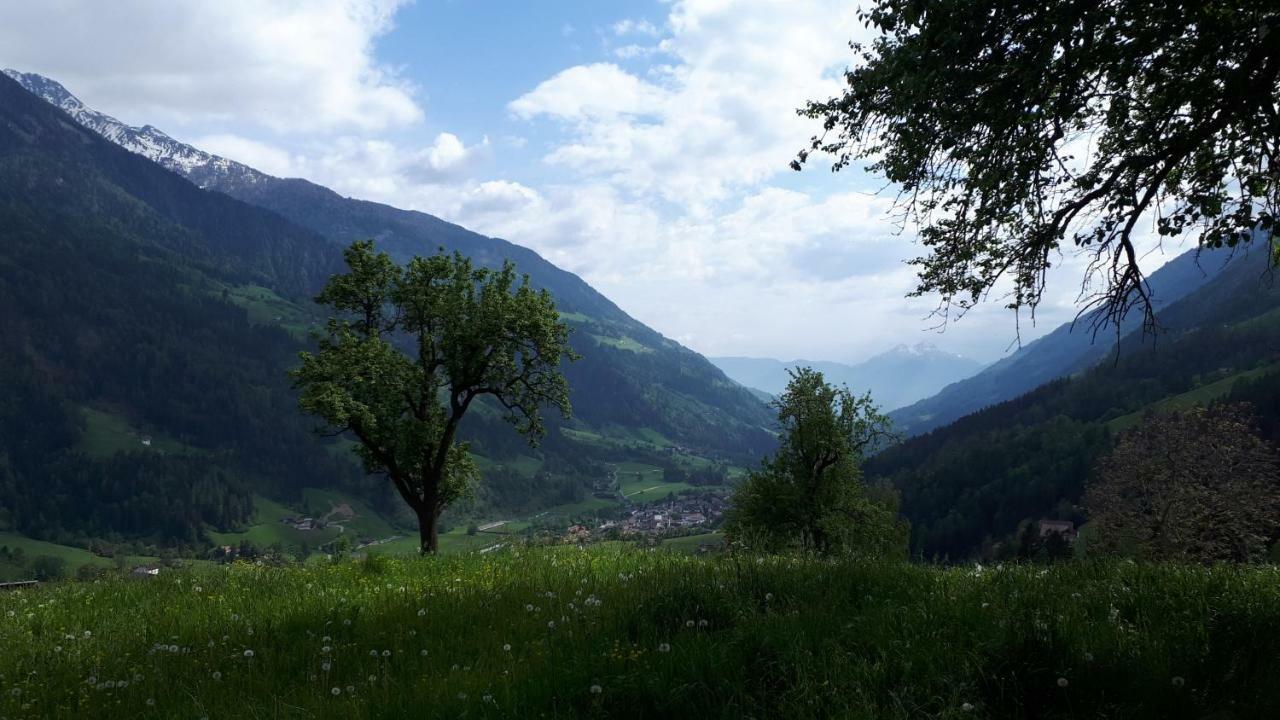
x,y
198,166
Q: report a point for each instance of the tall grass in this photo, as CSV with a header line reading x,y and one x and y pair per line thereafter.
x,y
567,633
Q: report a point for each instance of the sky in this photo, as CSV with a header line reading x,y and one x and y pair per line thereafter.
x,y
642,144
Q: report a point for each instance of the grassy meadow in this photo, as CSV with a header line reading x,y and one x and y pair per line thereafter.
x,y
564,632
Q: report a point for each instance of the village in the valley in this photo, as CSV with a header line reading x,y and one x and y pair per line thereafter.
x,y
633,505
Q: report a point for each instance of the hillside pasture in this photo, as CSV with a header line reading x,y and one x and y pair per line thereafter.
x,y
570,633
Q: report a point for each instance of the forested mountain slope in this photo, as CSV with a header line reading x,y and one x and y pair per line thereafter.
x,y
1069,349
148,325
117,281
970,483
631,378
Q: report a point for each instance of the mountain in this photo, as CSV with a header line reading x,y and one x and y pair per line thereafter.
x,y
631,380
1069,349
148,325
138,400
894,378
968,485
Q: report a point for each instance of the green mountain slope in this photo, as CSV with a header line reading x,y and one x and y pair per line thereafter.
x,y
630,376
1068,349
148,325
969,483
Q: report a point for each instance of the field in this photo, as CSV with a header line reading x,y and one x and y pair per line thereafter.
x,y
601,633
70,556
644,483
1202,395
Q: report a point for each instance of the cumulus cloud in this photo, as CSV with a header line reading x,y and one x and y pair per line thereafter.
x,y
283,65
720,118
601,93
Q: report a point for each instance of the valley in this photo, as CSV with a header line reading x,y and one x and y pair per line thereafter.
x,y
372,359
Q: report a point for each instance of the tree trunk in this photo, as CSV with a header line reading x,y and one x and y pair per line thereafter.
x,y
428,532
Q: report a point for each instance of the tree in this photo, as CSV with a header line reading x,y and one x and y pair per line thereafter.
x,y
1011,125
48,567
408,353
810,493
1198,485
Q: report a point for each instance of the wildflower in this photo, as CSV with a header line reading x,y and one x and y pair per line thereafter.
x,y
198,589
93,680
151,702
137,677
423,652
386,653
596,689
325,649
664,647
551,625
88,634
248,654
487,698
422,612
335,691
57,648
506,647
688,623
1088,657
768,597
373,653
529,607
702,623
373,678
173,648
351,689
217,675
1062,682
325,666
967,707
1178,681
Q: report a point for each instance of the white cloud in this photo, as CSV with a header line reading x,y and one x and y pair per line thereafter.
x,y
284,65
720,118
602,93
635,27
267,158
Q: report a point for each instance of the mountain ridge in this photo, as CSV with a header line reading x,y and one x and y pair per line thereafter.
x,y
640,373
1068,349
894,377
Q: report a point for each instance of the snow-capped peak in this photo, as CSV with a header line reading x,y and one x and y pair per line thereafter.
x,y
196,165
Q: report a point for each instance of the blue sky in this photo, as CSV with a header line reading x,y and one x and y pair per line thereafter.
x,y
642,144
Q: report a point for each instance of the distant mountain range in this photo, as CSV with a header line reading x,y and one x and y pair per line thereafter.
x,y
894,378
152,299
1069,349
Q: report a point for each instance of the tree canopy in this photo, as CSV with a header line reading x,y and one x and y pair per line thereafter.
x,y
410,350
1010,127
1198,485
810,493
